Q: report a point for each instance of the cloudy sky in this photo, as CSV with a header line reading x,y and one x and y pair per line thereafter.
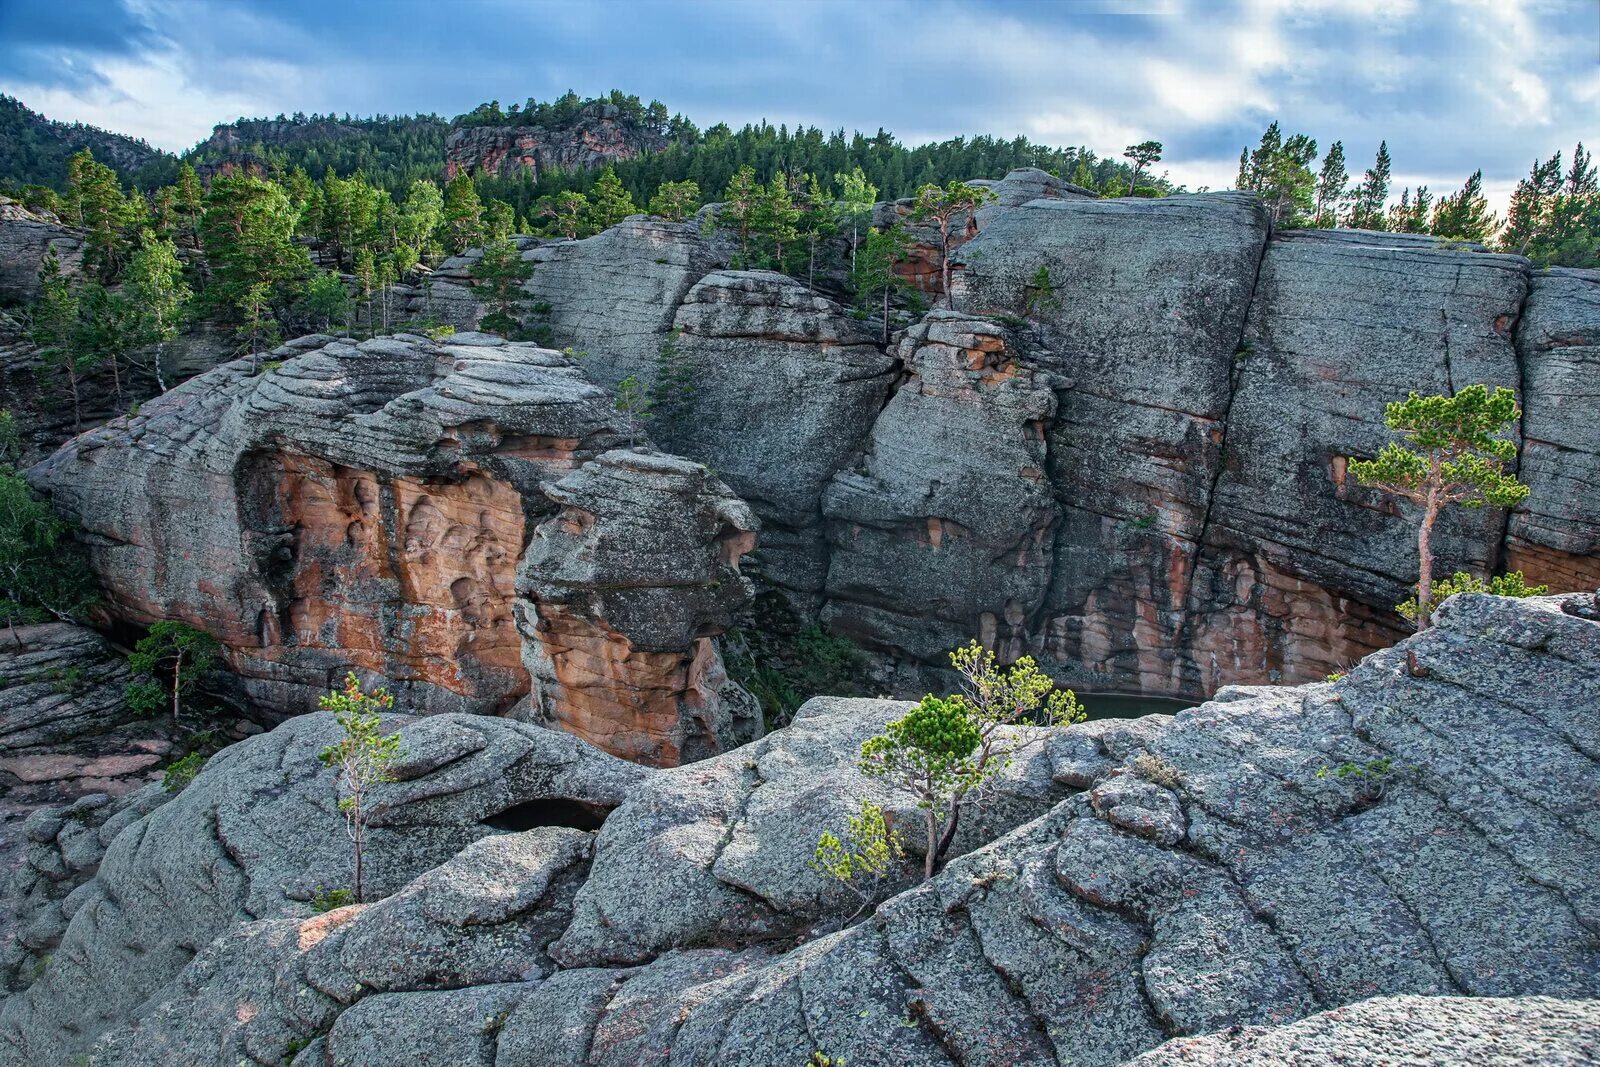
x,y
1453,85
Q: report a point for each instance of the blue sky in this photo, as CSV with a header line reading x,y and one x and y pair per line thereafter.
x,y
1452,84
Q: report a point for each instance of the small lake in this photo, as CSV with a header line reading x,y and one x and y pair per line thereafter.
x,y
1130,705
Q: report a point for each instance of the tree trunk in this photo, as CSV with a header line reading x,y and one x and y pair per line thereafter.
x,y
161,379
944,263
948,837
359,840
930,861
1425,548
77,405
116,377
177,680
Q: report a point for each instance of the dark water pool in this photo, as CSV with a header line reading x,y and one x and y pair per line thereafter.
x,y
1130,706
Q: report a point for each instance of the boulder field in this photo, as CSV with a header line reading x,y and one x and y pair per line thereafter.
x,y
1124,450
1397,864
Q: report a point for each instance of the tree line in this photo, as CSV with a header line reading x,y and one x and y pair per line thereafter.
x,y
1553,217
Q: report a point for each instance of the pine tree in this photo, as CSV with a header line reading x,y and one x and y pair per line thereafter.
x,y
501,274
675,201
97,205
609,202
1367,212
159,297
565,212
463,215
942,206
1411,215
248,233
1143,154
421,218
857,199
741,205
776,217
1465,215
1527,215
1332,182
874,276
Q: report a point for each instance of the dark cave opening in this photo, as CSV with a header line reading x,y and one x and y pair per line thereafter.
x,y
549,811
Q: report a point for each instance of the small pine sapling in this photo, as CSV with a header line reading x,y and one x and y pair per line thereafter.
x,y
177,650
868,855
361,759
1453,453
1512,584
946,749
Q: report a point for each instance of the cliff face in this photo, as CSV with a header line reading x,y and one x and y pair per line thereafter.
x,y
1137,471
1425,827
598,136
366,507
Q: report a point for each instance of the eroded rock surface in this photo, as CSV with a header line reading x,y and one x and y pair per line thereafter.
x,y
359,506
1556,533
621,595
1481,1031
1423,827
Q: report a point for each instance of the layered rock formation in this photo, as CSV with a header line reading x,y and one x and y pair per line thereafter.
x,y
1421,828
621,594
366,506
1206,383
26,239
599,135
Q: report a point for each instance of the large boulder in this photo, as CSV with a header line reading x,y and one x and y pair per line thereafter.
x,y
26,241
1423,827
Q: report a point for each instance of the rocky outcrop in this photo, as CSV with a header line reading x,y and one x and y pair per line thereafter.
x,y
1481,1031
1556,533
952,485
367,507
600,134
774,388
360,506
621,594
1423,827
26,239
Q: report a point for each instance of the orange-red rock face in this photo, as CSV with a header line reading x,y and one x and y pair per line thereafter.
x,y
359,508
411,580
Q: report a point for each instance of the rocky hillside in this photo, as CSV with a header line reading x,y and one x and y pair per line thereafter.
x,y
598,135
1423,828
34,149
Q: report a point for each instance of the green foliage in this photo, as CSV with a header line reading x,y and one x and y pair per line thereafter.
x,y
158,298
1367,204
783,664
1142,154
501,272
42,573
1452,452
248,232
180,773
673,390
95,203
1465,215
1555,221
945,749
610,203
1511,584
1278,171
463,214
361,759
822,1059
1378,768
35,151
868,855
675,201
326,900
874,278
941,204
1041,293
169,659
1333,181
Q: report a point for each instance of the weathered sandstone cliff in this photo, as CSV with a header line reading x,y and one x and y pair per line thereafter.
x,y
366,507
1177,516
599,135
1423,827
